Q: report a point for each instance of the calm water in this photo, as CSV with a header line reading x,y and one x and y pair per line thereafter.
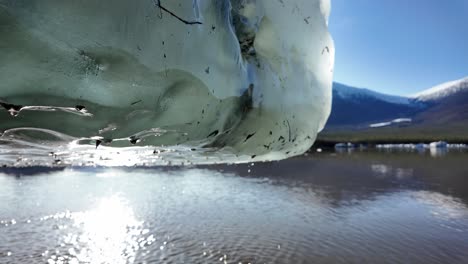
x,y
347,208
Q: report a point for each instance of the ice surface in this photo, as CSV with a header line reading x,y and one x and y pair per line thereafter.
x,y
209,80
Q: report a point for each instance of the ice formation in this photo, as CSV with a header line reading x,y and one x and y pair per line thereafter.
x,y
160,82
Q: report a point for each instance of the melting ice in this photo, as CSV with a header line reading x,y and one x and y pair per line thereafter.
x,y
122,82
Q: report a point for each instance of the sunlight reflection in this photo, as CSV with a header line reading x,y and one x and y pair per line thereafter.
x,y
110,233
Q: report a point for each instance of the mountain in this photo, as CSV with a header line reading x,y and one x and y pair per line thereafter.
x,y
447,104
359,108
438,111
443,91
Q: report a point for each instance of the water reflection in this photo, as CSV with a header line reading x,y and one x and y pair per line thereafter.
x,y
363,207
438,152
110,233
443,206
383,171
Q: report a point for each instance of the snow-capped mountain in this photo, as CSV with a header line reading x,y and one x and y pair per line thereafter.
x,y
359,108
443,90
348,92
445,105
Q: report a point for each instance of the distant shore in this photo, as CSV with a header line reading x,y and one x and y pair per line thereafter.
x,y
372,142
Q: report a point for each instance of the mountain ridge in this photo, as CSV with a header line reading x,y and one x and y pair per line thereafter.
x,y
344,90
435,92
442,90
441,110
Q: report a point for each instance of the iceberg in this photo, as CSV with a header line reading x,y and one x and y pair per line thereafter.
x,y
438,144
121,82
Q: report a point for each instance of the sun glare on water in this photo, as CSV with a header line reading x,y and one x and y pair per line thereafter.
x,y
110,233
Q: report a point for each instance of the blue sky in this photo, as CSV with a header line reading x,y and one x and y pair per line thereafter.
x,y
399,46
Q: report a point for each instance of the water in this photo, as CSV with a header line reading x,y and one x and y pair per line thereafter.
x,y
362,207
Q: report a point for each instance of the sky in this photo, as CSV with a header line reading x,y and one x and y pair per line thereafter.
x,y
399,46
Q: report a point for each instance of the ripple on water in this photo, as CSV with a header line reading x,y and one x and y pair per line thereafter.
x,y
207,216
